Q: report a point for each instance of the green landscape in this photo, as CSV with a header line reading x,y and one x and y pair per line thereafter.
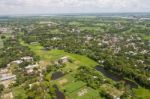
x,y
75,57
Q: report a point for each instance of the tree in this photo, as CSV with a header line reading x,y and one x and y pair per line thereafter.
x,y
3,37
1,88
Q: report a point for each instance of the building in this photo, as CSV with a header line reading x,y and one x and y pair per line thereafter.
x,y
63,60
7,77
27,58
30,68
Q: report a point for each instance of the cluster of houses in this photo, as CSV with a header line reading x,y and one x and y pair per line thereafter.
x,y
5,30
30,68
6,77
26,58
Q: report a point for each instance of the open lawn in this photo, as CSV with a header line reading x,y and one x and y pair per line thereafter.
x,y
67,79
85,93
147,37
142,93
69,88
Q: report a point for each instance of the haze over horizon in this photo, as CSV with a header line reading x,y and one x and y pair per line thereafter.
x,y
13,7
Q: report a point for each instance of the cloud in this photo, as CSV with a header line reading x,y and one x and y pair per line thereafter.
x,y
72,6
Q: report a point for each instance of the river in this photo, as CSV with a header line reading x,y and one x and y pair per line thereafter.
x,y
115,77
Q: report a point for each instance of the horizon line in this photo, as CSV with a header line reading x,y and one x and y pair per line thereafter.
x,y
82,13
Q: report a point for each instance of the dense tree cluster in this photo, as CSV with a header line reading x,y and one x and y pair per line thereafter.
x,y
93,78
99,45
12,51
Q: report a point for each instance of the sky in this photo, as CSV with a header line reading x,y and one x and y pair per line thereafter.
x,y
11,7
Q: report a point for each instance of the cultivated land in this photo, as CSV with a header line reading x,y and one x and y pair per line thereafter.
x,y
54,57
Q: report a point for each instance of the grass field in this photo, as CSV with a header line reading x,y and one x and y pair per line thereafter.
x,y
85,93
74,86
147,37
142,93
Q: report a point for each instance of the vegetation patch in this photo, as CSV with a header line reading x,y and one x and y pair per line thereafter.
x,y
19,93
142,93
69,88
85,93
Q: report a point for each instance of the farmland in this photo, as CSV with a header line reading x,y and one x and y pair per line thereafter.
x,y
88,57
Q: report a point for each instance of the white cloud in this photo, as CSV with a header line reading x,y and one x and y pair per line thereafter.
x,y
72,6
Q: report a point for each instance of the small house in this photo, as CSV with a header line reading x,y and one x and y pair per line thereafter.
x,y
30,68
27,58
63,60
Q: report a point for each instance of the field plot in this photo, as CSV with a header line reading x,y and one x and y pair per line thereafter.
x,y
85,93
142,93
74,86
65,80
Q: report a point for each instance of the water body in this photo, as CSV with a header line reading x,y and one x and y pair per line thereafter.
x,y
59,94
57,75
116,78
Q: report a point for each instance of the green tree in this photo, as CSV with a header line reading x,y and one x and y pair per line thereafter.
x,y
1,88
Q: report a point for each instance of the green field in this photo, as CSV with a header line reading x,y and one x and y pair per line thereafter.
x,y
147,37
142,93
85,93
74,86
56,54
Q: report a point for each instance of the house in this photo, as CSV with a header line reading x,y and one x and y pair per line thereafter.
x,y
17,62
5,30
30,68
63,60
2,71
34,43
7,78
148,78
27,58
56,38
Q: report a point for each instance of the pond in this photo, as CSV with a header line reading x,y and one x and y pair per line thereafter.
x,y
59,94
57,75
116,77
